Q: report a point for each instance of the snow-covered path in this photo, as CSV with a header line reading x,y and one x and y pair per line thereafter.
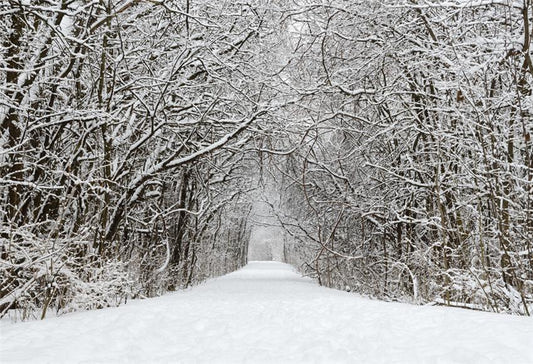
x,y
267,313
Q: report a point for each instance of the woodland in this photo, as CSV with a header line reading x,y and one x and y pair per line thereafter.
x,y
390,138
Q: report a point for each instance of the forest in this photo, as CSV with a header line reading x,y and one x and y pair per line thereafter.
x,y
390,138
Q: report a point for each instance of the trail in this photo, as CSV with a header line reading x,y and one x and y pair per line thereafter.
x,y
268,313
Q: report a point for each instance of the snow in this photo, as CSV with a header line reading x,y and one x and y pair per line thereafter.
x,y
268,313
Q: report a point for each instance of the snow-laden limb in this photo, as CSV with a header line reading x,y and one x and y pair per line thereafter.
x,y
460,4
167,258
356,92
218,144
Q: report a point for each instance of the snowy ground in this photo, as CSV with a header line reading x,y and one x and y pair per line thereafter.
x,y
267,313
